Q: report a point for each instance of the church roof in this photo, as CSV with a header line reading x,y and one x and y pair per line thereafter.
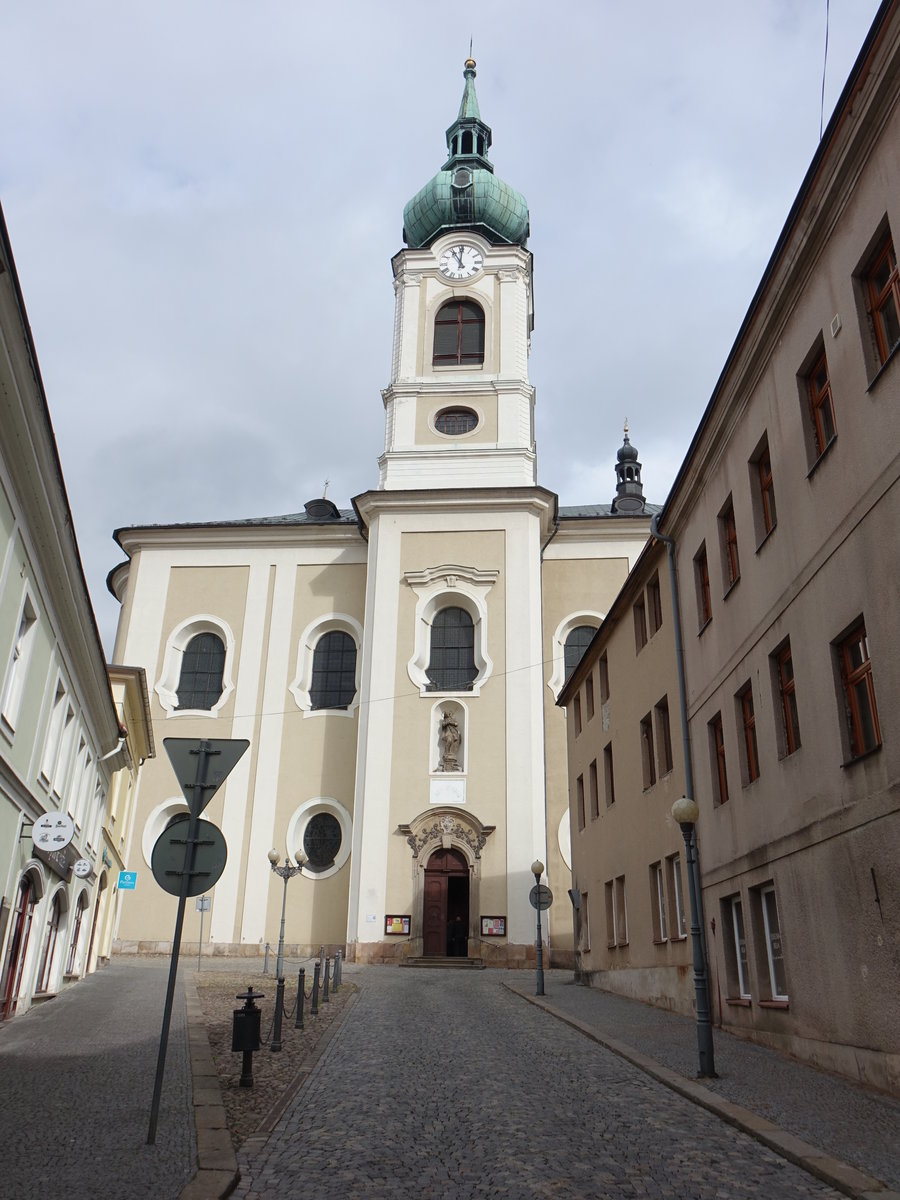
x,y
465,193
587,512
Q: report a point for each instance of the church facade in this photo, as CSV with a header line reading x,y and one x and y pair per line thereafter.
x,y
395,665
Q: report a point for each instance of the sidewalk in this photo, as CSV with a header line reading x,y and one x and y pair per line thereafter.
x,y
76,1084
842,1132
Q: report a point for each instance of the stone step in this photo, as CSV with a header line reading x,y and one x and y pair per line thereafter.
x,y
444,963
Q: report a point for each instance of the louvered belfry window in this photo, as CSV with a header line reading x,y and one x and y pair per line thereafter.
x,y
202,669
333,671
459,333
452,664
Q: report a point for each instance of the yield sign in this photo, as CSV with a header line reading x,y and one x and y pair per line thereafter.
x,y
202,765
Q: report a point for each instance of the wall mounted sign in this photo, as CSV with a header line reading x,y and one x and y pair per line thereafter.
x,y
82,868
127,881
397,925
53,831
493,926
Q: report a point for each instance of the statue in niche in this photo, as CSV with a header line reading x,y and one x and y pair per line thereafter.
x,y
449,741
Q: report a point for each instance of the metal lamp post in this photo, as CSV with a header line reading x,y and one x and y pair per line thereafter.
x,y
537,870
286,872
686,812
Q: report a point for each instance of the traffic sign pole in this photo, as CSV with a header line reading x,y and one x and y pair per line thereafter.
x,y
204,752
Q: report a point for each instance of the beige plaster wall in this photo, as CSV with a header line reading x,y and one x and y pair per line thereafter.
x,y
429,406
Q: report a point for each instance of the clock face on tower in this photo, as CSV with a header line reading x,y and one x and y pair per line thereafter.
x,y
461,261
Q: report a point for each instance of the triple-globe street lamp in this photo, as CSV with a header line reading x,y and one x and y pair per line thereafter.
x,y
286,872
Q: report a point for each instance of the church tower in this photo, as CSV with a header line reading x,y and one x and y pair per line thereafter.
x,y
459,410
452,649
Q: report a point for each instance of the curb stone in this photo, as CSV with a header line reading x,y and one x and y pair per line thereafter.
x,y
837,1174
217,1170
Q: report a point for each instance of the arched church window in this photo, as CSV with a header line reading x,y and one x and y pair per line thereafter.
x,y
455,421
576,644
453,146
451,666
333,671
459,333
467,141
481,144
202,668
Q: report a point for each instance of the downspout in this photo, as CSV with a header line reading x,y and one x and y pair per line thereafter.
x,y
689,832
679,655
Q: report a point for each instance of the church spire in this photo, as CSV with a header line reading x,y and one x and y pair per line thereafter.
x,y
629,497
469,138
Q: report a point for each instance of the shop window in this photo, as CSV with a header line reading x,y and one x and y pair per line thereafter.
x,y
48,949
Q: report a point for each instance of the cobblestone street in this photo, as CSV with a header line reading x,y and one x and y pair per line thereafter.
x,y
447,1084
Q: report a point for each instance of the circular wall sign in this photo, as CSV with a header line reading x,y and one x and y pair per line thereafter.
x,y
53,831
82,868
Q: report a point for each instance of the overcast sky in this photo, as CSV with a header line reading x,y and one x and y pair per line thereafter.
x,y
204,197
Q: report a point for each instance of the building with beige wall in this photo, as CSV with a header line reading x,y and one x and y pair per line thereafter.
x,y
62,744
783,520
394,666
626,769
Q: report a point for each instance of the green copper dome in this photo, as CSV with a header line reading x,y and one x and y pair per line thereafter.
x,y
465,193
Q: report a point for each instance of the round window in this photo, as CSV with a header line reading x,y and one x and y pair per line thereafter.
x,y
462,177
322,841
454,421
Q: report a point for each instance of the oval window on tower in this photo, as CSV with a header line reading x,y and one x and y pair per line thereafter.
x,y
455,421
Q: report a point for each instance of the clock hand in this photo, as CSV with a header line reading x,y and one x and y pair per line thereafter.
x,y
459,253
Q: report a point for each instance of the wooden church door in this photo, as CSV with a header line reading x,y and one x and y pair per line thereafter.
x,y
440,896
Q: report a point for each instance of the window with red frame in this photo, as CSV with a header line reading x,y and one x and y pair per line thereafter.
x,y
701,574
821,407
717,746
787,691
859,692
748,726
767,491
730,546
459,333
883,298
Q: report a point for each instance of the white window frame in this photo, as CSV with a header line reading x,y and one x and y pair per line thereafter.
x,y
662,930
157,820
450,586
673,868
167,687
17,664
309,639
741,966
769,890
297,827
558,644
54,732
63,758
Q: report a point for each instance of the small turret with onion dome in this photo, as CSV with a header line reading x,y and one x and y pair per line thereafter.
x,y
465,193
629,498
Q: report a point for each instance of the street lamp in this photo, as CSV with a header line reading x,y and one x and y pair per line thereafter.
x,y
686,812
537,870
286,872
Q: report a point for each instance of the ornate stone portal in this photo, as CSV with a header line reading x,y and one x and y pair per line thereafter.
x,y
447,828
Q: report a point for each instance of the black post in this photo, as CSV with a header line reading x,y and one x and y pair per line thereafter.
x,y
540,946
706,1057
337,971
204,753
325,987
279,1013
314,1008
301,983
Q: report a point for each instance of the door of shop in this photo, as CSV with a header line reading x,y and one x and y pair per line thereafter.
x,y
445,924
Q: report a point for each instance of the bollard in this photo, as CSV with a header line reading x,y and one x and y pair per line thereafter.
x,y
301,983
266,961
245,1032
325,988
275,1045
314,1008
337,970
